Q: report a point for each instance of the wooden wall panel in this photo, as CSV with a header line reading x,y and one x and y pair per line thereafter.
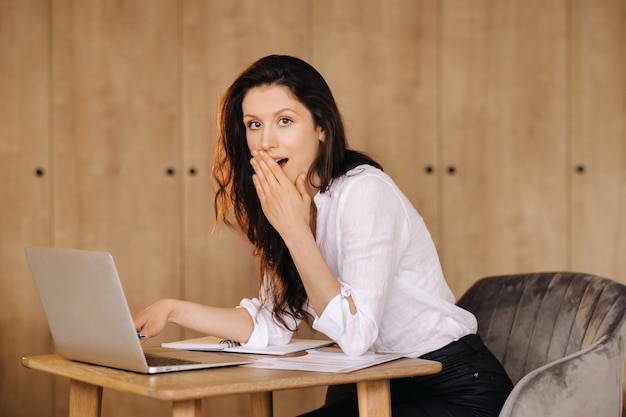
x,y
25,214
116,133
598,137
106,96
116,75
220,39
503,129
381,64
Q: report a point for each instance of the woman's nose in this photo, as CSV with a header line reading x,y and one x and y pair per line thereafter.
x,y
268,141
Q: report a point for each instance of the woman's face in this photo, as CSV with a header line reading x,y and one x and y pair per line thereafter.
x,y
277,123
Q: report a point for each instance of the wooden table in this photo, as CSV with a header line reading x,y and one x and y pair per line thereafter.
x,y
186,389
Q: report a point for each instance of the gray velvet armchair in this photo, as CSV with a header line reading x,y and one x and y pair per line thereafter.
x,y
560,336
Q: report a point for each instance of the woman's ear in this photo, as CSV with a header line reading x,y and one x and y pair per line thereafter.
x,y
322,135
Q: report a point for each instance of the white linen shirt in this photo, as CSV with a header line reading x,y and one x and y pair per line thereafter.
x,y
382,254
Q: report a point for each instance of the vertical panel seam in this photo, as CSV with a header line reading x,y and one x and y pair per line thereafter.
x,y
51,138
182,287
51,176
439,128
309,29
568,135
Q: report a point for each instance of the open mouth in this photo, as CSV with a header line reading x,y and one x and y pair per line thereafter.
x,y
281,162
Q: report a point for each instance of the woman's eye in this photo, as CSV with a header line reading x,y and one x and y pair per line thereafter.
x,y
284,121
254,124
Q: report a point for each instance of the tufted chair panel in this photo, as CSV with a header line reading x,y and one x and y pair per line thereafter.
x,y
558,335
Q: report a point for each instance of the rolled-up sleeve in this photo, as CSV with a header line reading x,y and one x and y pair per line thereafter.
x,y
367,233
354,333
266,332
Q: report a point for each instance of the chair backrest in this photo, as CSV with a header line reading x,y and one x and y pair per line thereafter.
x,y
529,320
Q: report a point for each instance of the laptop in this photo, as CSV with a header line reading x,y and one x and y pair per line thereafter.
x,y
89,318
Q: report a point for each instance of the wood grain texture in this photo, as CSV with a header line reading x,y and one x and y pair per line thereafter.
x,y
374,405
178,386
106,96
115,114
261,404
85,399
25,216
597,122
220,39
115,127
503,130
381,64
190,408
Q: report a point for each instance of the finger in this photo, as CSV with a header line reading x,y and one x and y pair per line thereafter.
x,y
259,188
270,168
144,326
266,183
148,331
139,321
262,172
301,186
260,182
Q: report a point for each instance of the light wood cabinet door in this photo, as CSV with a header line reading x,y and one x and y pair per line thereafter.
x,y
502,121
503,138
25,198
597,165
116,149
381,63
220,39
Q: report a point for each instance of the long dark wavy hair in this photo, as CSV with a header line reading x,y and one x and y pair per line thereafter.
x,y
236,195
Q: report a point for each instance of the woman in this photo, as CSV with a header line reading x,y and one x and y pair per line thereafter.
x,y
339,245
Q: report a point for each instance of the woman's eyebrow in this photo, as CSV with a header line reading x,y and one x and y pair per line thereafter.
x,y
284,110
276,113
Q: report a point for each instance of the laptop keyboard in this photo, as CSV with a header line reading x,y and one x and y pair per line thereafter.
x,y
157,360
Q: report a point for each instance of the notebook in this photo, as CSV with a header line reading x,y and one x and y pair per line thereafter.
x,y
89,318
213,344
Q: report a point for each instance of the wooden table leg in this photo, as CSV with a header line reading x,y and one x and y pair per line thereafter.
x,y
374,398
262,404
85,399
187,408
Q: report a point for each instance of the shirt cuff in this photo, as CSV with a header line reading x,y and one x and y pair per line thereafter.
x,y
331,321
260,333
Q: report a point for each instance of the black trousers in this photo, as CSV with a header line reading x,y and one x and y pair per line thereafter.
x,y
471,383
